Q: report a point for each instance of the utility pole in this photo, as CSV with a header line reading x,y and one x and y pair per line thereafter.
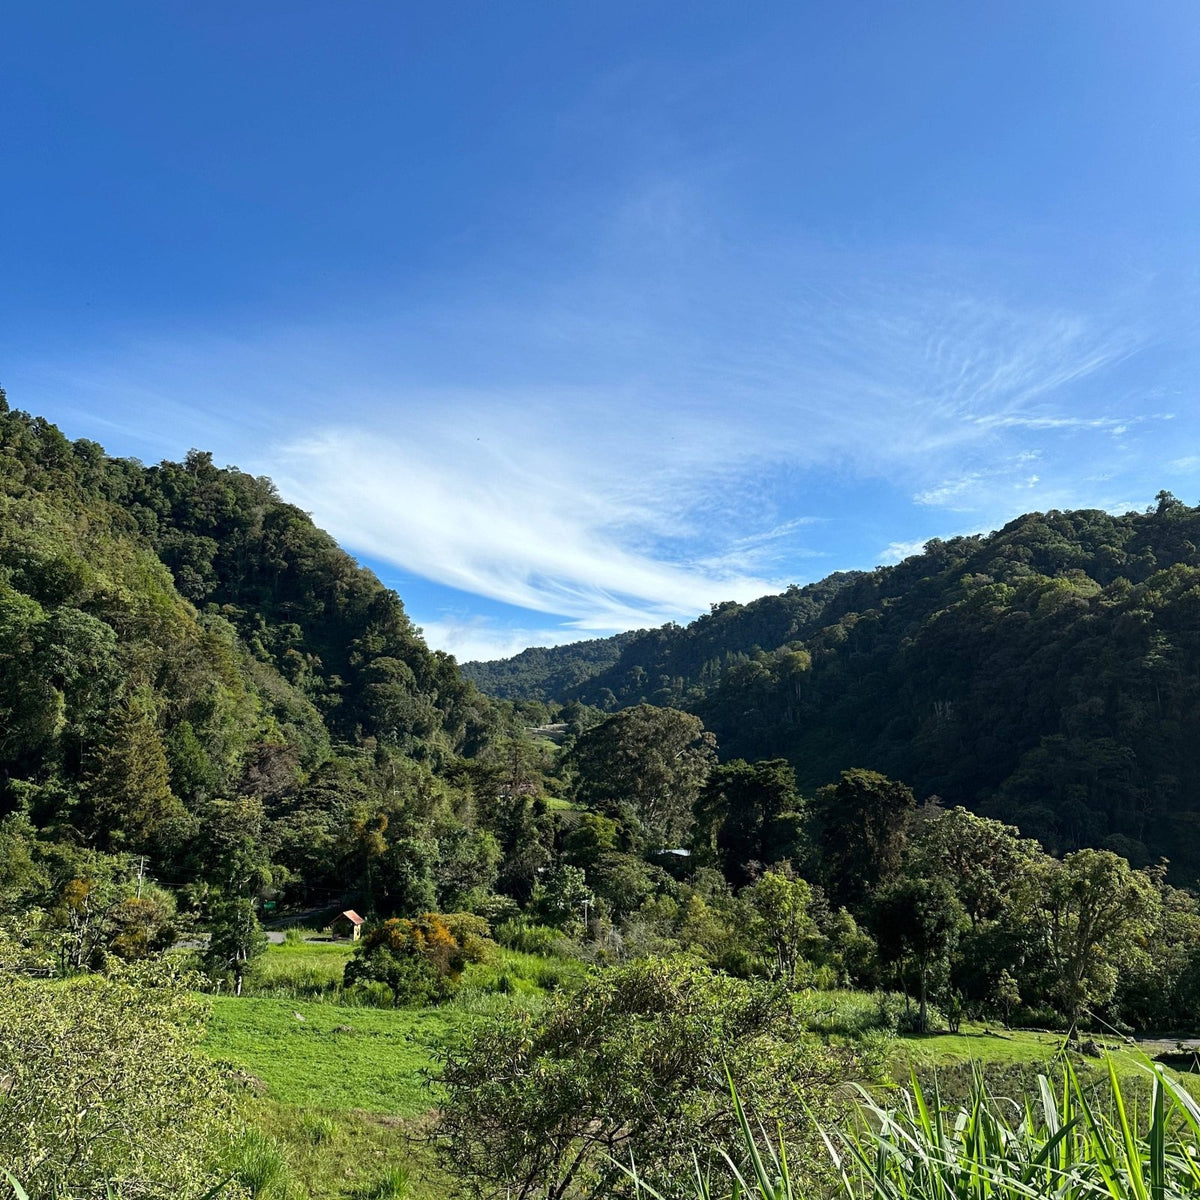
x,y
141,874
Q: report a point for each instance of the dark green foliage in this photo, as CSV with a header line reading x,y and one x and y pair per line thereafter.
x,y
1047,675
235,941
917,922
1093,916
419,960
672,665
861,826
645,766
191,671
546,673
750,815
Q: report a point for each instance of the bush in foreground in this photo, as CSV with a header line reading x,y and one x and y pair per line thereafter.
x,y
102,1086
634,1063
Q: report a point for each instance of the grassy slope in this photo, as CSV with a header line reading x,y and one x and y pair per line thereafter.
x,y
972,1044
330,1056
344,1088
363,1071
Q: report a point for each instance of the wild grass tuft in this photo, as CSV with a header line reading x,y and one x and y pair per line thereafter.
x,y
1061,1144
316,1128
257,1161
394,1185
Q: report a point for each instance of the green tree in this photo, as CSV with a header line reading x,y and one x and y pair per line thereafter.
x,y
917,922
236,940
129,784
144,924
21,876
985,861
861,822
781,905
421,959
750,813
83,916
1157,989
1088,913
561,898
645,766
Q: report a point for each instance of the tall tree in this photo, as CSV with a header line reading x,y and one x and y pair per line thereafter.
x,y
750,813
917,922
130,783
1089,913
236,940
647,766
983,860
781,904
861,823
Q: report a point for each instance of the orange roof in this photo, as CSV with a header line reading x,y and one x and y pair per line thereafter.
x,y
352,916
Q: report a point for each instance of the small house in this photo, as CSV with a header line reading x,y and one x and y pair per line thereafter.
x,y
347,924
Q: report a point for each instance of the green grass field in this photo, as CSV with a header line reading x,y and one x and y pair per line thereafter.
x,y
344,1088
995,1047
330,1056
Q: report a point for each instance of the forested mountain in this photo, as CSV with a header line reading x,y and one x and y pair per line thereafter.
x,y
544,672
1048,674
191,670
668,665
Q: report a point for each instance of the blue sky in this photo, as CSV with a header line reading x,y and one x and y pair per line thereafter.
x,y
575,317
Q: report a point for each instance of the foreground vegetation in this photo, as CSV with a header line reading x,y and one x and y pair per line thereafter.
x,y
1065,1143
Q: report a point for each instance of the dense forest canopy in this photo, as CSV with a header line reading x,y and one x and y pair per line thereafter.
x,y
210,710
1047,674
192,671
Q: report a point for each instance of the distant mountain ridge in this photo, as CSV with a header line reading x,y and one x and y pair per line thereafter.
x,y
1047,673
546,672
666,665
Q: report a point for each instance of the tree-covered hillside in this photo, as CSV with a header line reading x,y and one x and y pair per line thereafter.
x,y
1048,674
544,672
190,670
667,665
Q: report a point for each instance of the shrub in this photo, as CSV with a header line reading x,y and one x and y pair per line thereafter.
x,y
421,960
368,993
851,1014
634,1060
530,938
102,1080
392,1186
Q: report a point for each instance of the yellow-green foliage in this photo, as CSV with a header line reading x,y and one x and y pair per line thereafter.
x,y
102,1081
1065,1142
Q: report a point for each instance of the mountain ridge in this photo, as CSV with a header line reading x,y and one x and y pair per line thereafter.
x,y
1047,673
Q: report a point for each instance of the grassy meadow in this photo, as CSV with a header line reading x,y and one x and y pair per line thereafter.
x,y
341,1088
